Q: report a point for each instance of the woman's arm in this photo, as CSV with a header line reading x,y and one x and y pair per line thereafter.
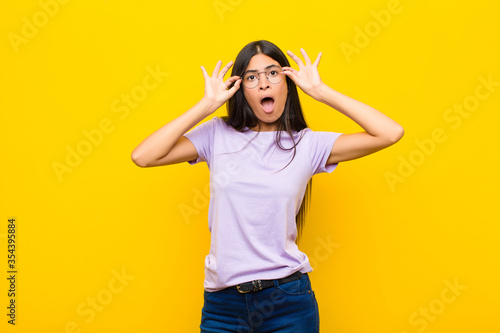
x,y
380,130
166,145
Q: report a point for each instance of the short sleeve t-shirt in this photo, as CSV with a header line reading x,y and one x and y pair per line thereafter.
x,y
253,204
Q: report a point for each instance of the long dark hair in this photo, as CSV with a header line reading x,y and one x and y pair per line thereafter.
x,y
240,115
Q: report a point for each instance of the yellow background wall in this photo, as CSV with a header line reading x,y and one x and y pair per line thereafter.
x,y
402,241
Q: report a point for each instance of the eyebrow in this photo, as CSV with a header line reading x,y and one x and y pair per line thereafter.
x,y
255,71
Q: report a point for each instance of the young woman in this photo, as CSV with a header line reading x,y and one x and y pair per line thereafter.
x,y
261,159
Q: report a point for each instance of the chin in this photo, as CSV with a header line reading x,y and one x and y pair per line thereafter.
x,y
268,118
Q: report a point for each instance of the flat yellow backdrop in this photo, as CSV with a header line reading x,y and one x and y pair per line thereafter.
x,y
402,241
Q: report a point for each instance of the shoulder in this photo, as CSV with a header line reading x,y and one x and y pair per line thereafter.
x,y
217,121
222,125
319,138
211,123
309,134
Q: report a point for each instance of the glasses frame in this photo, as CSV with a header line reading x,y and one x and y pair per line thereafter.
x,y
269,68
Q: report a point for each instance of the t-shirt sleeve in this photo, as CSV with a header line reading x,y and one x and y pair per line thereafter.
x,y
202,137
321,144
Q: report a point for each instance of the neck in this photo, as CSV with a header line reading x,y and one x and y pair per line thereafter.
x,y
265,128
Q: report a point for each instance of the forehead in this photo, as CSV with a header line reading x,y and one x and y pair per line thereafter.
x,y
260,62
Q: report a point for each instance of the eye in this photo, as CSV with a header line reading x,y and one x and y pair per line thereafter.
x,y
250,77
273,72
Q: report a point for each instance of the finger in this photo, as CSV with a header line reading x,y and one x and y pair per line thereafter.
x,y
232,79
204,71
234,88
316,62
296,59
306,57
291,72
289,69
225,69
293,76
217,68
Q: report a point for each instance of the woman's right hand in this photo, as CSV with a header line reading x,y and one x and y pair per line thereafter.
x,y
216,89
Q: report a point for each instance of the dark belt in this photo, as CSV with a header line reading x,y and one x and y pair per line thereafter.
x,y
257,285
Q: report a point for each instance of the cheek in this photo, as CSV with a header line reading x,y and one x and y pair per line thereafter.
x,y
249,96
284,88
284,95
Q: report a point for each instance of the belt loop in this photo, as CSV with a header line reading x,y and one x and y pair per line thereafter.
x,y
276,284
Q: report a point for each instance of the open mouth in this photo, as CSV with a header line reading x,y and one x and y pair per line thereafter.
x,y
267,104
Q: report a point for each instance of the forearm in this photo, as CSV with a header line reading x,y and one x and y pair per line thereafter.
x,y
160,142
371,120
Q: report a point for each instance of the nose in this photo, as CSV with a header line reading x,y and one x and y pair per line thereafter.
x,y
263,82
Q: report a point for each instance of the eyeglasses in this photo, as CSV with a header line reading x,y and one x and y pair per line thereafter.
x,y
274,75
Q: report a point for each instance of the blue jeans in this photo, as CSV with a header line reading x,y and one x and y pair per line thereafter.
x,y
286,308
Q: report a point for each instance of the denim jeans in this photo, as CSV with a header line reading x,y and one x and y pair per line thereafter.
x,y
286,308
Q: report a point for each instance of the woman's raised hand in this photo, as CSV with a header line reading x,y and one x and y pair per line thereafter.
x,y
216,89
307,77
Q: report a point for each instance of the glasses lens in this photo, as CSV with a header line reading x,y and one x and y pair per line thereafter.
x,y
275,75
250,80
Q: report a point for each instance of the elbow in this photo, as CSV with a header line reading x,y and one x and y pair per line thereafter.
x,y
140,162
396,134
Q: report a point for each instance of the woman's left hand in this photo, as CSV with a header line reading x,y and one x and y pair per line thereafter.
x,y
307,77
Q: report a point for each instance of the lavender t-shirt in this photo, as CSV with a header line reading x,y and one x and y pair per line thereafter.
x,y
252,209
